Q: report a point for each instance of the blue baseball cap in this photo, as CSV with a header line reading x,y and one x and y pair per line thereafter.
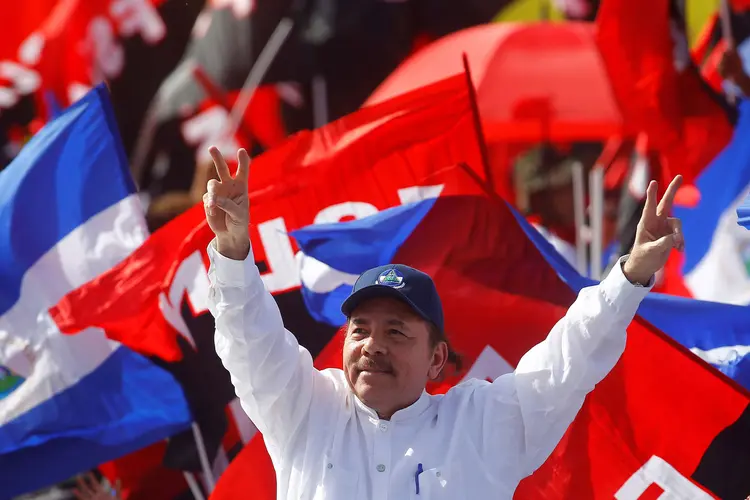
x,y
400,282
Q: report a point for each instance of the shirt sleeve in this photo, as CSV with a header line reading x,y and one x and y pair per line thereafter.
x,y
542,397
272,374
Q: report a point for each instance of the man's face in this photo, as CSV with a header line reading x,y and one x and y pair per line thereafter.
x,y
388,355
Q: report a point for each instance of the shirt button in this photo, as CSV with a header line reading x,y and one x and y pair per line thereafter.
x,y
381,468
330,466
383,427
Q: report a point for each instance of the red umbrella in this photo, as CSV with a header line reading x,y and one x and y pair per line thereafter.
x,y
535,81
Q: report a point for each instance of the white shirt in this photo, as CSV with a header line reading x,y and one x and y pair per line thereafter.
x,y
477,441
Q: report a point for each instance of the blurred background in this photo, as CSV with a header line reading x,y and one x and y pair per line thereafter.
x,y
569,134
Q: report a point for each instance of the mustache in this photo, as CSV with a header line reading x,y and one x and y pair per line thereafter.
x,y
374,365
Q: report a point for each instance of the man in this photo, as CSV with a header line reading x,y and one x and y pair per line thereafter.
x,y
370,430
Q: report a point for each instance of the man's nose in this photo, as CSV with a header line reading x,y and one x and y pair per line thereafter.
x,y
374,345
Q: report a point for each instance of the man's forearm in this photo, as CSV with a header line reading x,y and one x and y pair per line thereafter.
x,y
272,375
554,377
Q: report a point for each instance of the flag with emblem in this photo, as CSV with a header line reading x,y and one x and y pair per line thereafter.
x,y
717,250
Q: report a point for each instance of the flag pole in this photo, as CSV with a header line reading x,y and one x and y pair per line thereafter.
x,y
237,112
725,14
320,100
596,188
220,96
236,116
478,125
726,22
193,485
258,72
486,189
579,217
208,474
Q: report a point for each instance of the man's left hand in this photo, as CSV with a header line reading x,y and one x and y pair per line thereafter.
x,y
657,234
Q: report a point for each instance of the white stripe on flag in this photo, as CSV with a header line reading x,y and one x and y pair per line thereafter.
x,y
722,355
59,361
723,274
319,277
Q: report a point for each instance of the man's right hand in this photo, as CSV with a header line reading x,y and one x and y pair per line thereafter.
x,y
227,206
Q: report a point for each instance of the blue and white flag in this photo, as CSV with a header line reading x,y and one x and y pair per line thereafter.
x,y
716,332
717,250
68,212
354,247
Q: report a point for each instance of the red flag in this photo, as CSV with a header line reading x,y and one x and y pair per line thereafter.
x,y
368,156
18,78
82,42
739,5
654,422
710,67
376,158
489,273
135,282
597,460
68,46
658,87
142,477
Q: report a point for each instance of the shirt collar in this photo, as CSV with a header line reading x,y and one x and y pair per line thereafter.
x,y
413,410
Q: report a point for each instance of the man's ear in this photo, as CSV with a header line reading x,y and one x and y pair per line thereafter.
x,y
439,359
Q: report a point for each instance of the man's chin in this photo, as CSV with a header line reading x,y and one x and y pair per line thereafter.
x,y
373,382
371,395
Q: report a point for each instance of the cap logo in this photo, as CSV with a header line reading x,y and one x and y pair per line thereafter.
x,y
391,278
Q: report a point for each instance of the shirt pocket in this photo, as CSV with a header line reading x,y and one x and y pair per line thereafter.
x,y
337,482
439,483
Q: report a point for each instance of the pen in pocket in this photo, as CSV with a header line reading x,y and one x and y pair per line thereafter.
x,y
416,477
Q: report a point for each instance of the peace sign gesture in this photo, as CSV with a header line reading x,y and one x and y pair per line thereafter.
x,y
657,234
227,207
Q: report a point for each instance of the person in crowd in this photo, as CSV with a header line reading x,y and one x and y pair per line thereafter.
x,y
370,429
89,488
731,67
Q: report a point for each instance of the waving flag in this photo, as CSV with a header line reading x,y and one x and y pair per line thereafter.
x,y
717,250
380,156
370,242
657,85
743,213
716,332
490,273
67,46
69,212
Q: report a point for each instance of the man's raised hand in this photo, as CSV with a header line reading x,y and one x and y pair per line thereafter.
x,y
227,206
657,234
